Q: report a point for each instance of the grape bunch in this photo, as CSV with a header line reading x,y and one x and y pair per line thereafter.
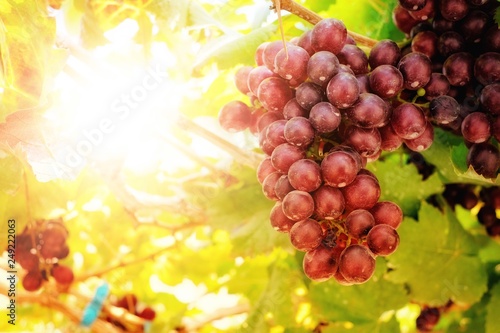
x,y
130,303
319,123
39,249
486,199
462,42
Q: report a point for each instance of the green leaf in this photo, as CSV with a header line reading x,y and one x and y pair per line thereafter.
x,y
362,304
396,178
438,259
391,326
497,16
230,50
492,317
12,172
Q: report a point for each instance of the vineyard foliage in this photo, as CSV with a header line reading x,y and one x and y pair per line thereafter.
x,y
108,121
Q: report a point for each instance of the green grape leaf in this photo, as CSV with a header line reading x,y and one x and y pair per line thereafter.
x,y
492,317
438,259
358,304
276,299
232,49
497,16
12,172
391,326
396,177
448,153
373,18
471,320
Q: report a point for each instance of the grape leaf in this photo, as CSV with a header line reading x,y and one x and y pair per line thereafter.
x,y
438,259
396,177
12,172
362,304
492,317
276,298
497,16
232,49
37,138
471,320
391,326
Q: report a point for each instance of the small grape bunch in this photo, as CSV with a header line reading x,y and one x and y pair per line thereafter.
x,y
131,304
39,248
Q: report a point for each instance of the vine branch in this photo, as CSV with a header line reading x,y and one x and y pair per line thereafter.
x,y
313,18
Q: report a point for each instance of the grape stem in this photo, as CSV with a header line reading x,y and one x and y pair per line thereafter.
x,y
313,18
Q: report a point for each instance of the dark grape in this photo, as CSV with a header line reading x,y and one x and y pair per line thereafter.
x,y
305,42
425,42
387,212
283,187
293,109
306,235
147,313
385,52
309,94
402,19
382,239
299,132
427,319
386,81
458,68
450,42
320,264
423,141
490,98
408,121
269,185
356,264
487,68
412,4
32,281
256,76
390,141
267,119
322,66
454,10
270,52
416,70
444,109
275,132
473,26
484,159
366,141
264,169
359,222
437,86
355,58
476,127
425,13
291,63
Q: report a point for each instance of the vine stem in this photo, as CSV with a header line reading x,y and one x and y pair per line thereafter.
x,y
313,18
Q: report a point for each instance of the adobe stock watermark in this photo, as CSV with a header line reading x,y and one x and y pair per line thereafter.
x,y
119,110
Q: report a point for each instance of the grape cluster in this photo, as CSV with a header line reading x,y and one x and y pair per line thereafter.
x,y
461,43
470,196
320,116
130,303
38,251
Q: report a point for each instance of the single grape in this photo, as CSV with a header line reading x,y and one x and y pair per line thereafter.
x,y
320,264
484,158
264,169
339,168
425,13
476,127
342,90
325,117
458,68
256,76
267,119
444,109
299,132
427,319
147,313
291,64
454,10
437,86
322,66
408,121
425,42
362,193
416,70
241,79
423,141
32,281
275,132
62,274
356,264
387,212
279,221
402,19
369,111
487,68
258,53
269,185
293,109
305,42
386,81
298,205
355,58
329,35
490,98
309,94
450,42
306,235
274,93
366,141
305,175
390,141
236,116
412,4
329,203
283,187
385,52
270,52
474,25
285,155
359,222
382,239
